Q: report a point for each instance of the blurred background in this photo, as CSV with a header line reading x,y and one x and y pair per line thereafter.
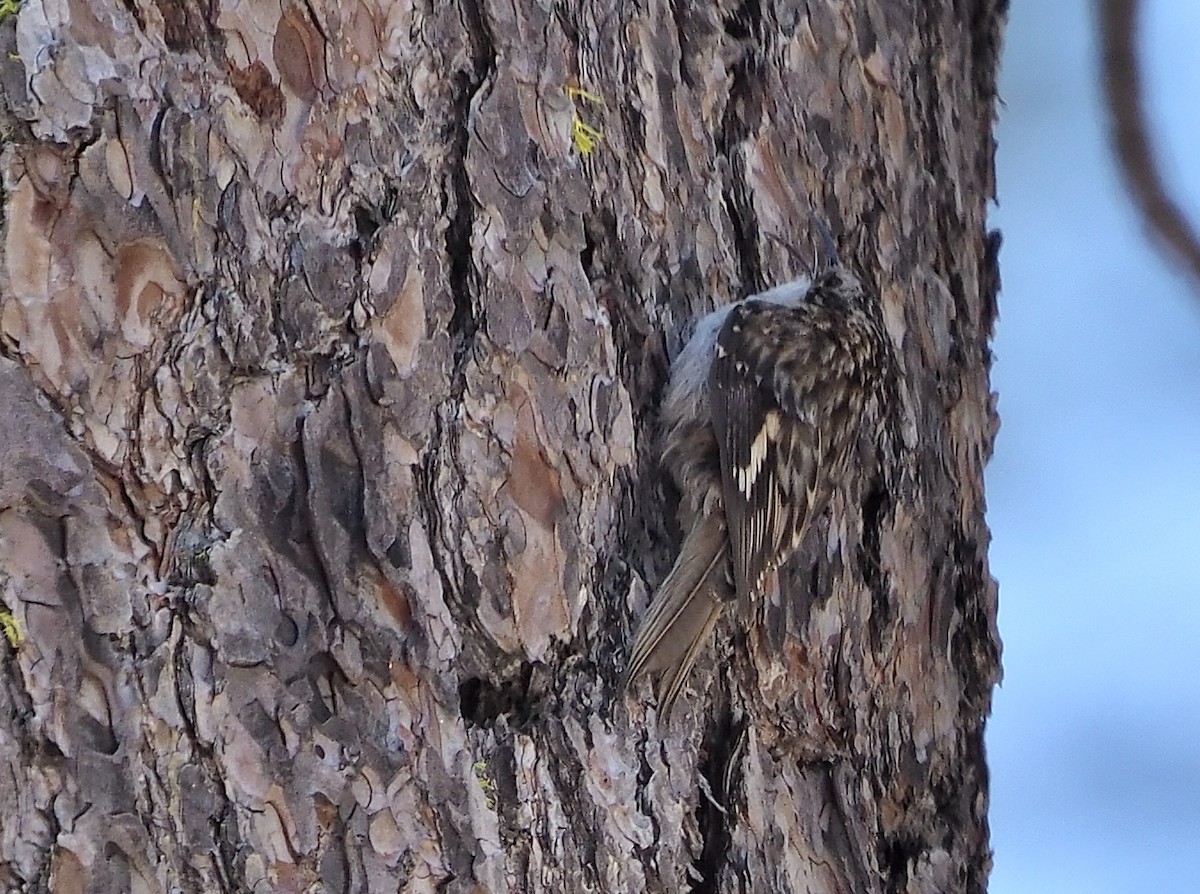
x,y
1094,490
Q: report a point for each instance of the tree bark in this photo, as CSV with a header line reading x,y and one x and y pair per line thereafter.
x,y
333,335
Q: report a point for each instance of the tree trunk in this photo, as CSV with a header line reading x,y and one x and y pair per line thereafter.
x,y
333,337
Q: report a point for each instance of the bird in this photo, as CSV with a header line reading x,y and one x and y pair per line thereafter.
x,y
760,418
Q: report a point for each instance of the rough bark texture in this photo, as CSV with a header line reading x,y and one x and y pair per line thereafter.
x,y
328,491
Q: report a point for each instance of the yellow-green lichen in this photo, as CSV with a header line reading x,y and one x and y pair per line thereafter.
x,y
486,783
584,137
12,629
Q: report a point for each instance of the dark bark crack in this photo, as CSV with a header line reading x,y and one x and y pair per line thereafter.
x,y
876,506
482,702
715,820
467,317
742,115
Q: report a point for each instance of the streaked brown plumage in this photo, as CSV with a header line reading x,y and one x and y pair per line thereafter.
x,y
764,407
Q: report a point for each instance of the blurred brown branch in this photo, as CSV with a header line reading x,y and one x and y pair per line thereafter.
x,y
1131,139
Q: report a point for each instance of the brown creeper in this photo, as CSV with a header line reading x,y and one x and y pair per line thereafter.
x,y
762,413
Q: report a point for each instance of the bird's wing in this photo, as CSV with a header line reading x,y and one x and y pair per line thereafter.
x,y
768,433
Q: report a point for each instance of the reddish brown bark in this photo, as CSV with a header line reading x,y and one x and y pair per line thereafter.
x,y
328,492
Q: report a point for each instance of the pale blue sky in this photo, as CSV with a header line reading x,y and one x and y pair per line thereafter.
x,y
1094,491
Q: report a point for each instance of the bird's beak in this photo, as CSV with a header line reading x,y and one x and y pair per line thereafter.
x,y
829,259
826,256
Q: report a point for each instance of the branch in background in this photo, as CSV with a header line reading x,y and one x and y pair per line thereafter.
x,y
1135,155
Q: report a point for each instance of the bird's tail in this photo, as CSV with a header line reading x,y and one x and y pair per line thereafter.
x,y
684,611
